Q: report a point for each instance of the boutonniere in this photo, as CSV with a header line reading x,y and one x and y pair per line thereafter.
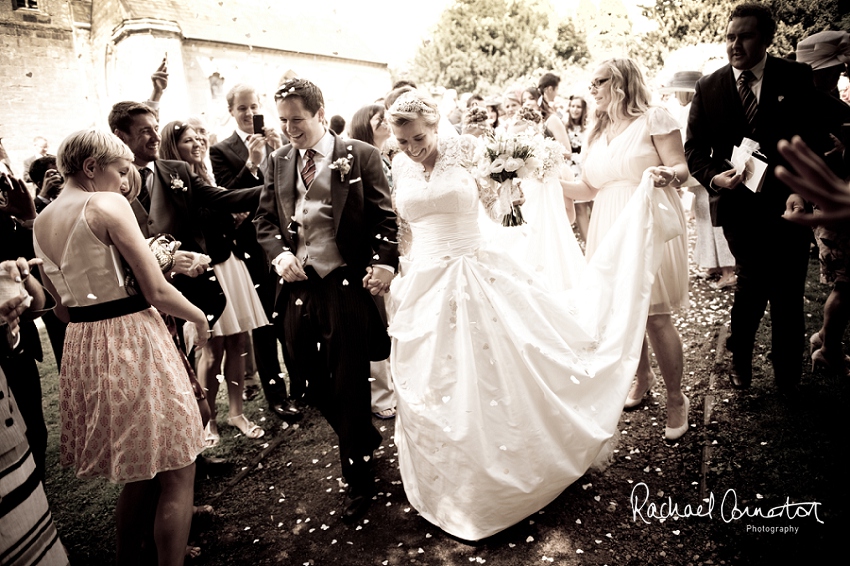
x,y
343,165
177,184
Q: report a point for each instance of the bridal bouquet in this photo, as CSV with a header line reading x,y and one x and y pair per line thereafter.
x,y
504,160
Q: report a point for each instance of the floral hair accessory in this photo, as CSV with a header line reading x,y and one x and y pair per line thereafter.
x,y
343,165
177,184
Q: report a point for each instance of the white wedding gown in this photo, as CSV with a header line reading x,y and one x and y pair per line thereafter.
x,y
506,393
546,244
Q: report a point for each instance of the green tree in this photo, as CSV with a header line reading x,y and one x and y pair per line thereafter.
x,y
482,45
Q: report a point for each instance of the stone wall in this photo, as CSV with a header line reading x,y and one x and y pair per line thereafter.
x,y
64,65
44,90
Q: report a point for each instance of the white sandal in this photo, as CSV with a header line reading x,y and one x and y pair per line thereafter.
x,y
249,429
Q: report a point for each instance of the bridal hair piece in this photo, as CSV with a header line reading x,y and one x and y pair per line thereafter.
x,y
310,94
412,105
630,97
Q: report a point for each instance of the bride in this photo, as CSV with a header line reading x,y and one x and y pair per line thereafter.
x,y
506,393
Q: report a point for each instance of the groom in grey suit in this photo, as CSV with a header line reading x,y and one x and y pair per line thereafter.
x,y
327,225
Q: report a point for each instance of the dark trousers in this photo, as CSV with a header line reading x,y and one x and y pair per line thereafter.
x,y
268,364
326,328
772,259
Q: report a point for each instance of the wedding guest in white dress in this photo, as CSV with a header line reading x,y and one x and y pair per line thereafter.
x,y
577,131
629,137
506,394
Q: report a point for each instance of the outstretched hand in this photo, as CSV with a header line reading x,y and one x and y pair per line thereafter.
x,y
159,78
813,181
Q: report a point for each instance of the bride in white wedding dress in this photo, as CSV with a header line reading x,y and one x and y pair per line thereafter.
x,y
506,393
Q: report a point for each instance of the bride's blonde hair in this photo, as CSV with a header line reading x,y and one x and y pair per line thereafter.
x,y
630,96
412,105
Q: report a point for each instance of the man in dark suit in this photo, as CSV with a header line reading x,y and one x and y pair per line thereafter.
x,y
238,162
326,223
766,99
170,199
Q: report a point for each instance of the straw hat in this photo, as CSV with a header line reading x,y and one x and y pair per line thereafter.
x,y
682,81
825,49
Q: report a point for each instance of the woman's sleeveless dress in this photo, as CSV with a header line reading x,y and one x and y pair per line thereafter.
x,y
126,405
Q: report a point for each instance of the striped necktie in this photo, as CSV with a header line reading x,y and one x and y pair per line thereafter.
x,y
308,173
748,99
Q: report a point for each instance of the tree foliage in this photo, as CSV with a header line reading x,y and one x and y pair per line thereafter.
x,y
482,45
690,22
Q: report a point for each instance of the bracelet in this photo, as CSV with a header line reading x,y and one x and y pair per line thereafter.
x,y
675,178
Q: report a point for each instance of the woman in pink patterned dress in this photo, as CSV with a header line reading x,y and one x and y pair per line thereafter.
x,y
127,409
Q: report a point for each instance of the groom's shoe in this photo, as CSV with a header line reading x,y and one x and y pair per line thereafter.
x,y
357,503
741,375
286,410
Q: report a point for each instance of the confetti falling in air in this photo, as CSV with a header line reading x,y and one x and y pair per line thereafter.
x,y
90,296
299,302
345,282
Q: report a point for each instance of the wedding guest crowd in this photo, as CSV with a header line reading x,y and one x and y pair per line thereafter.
x,y
353,243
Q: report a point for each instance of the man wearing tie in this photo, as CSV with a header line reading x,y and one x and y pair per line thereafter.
x,y
170,199
766,99
326,223
238,162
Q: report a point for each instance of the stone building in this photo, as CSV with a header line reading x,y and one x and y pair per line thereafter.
x,y
63,63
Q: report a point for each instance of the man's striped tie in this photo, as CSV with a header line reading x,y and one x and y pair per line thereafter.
x,y
748,99
308,173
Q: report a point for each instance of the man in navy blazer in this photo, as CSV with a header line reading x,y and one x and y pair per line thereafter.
x,y
327,225
172,195
771,253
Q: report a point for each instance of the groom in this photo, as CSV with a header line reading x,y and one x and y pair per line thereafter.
x,y
327,226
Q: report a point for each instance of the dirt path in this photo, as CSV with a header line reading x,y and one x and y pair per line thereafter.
x,y
755,448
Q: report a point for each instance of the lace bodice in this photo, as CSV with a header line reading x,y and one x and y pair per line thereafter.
x,y
442,208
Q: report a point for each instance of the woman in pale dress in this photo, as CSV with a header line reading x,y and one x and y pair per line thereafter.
x,y
577,131
506,393
629,137
243,311
127,409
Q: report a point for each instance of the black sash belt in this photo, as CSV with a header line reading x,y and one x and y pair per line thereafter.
x,y
112,309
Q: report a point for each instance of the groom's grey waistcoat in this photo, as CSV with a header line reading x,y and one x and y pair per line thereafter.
x,y
314,214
